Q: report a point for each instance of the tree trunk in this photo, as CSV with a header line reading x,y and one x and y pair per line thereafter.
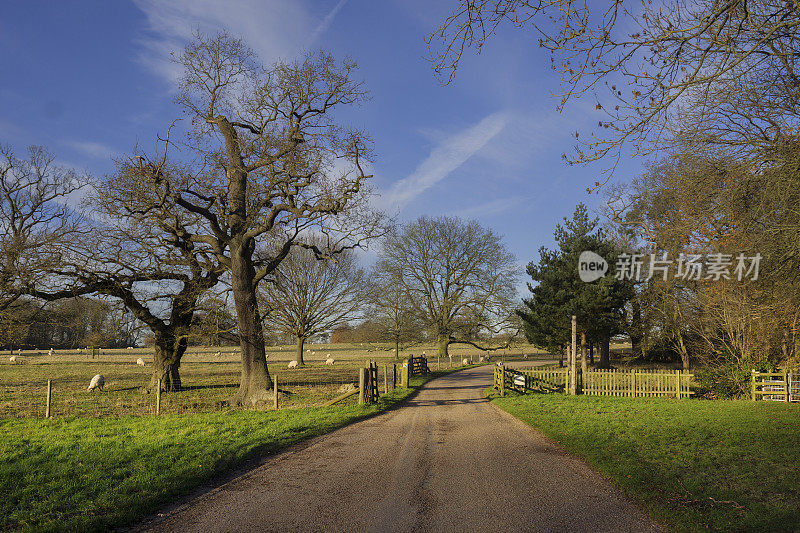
x,y
605,348
584,365
397,349
255,382
443,342
167,362
299,352
591,353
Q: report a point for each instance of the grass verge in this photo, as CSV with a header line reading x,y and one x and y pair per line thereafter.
x,y
91,474
695,465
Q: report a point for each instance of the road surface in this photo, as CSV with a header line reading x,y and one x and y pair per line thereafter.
x,y
446,461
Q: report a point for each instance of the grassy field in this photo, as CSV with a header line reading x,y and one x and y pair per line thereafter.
x,y
209,380
89,474
695,465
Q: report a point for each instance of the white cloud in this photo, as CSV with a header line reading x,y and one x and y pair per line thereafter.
x,y
93,149
273,29
499,205
450,154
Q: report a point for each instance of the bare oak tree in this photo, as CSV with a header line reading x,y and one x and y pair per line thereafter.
x,y
307,296
459,278
393,315
268,160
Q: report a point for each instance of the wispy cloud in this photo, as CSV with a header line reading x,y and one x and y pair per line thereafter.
x,y
499,205
450,154
325,24
93,149
275,29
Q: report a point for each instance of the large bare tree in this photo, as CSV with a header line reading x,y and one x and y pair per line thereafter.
x,y
269,160
307,296
393,317
36,215
459,278
137,248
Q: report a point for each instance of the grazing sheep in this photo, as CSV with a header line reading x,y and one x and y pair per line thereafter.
x,y
465,361
129,348
13,359
97,382
524,356
292,364
140,362
218,354
50,352
481,359
80,350
329,361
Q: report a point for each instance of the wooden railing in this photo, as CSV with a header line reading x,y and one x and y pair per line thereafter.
x,y
417,365
628,383
783,386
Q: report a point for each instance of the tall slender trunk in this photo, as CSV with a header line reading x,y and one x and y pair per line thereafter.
x,y
591,353
255,382
584,363
397,348
299,351
605,356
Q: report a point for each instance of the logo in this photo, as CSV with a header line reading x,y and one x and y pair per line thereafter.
x,y
591,267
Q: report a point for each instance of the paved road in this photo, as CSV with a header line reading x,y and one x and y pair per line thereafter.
x,y
446,461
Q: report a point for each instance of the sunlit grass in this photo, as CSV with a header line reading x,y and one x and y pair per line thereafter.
x,y
696,465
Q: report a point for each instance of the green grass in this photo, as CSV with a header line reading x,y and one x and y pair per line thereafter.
x,y
695,465
92,474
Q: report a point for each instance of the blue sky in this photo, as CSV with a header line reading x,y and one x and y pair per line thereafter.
x,y
91,79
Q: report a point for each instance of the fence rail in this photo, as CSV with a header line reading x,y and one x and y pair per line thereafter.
x,y
627,383
783,386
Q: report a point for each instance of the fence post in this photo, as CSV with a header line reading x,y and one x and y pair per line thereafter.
x,y
158,397
394,376
385,379
753,384
276,391
678,384
404,374
786,386
438,362
573,366
502,380
361,383
49,392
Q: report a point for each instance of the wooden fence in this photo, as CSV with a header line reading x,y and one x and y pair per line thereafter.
x,y
417,365
637,383
783,386
628,383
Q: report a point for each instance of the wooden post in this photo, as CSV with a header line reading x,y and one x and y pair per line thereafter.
x,y
404,374
633,384
361,382
438,363
753,384
502,380
158,397
386,379
678,384
49,393
394,376
584,362
276,391
573,362
786,386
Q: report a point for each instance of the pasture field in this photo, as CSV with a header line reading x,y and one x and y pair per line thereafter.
x,y
209,381
696,465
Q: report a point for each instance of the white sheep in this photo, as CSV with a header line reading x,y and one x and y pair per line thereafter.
x,y
218,354
481,359
97,382
140,361
292,364
329,361
465,361
50,353
129,348
13,358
